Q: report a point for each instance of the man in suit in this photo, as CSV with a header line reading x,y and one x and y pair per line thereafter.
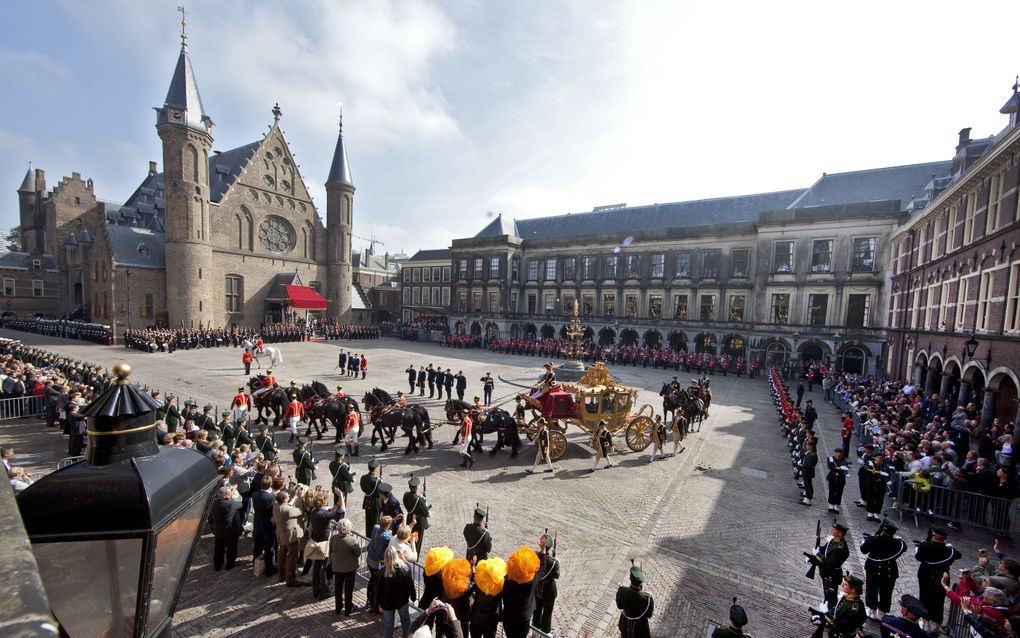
x,y
422,378
289,533
263,526
226,524
448,384
431,380
412,378
461,384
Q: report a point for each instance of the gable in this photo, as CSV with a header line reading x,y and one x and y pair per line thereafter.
x,y
273,171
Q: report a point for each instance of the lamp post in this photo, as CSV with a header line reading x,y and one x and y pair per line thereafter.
x,y
970,346
114,534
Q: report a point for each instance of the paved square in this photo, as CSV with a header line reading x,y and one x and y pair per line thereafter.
x,y
720,520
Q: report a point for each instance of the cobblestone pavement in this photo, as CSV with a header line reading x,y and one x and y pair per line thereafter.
x,y
720,520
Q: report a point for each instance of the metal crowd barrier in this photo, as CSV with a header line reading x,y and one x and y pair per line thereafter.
x,y
21,408
418,573
955,506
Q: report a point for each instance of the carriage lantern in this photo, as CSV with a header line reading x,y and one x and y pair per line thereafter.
x,y
970,347
113,535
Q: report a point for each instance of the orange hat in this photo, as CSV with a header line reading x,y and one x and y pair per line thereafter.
x,y
522,565
490,574
456,577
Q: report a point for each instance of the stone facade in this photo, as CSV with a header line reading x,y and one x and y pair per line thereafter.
x,y
425,285
201,243
954,319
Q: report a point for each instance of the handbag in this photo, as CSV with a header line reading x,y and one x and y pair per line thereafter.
x,y
316,550
259,566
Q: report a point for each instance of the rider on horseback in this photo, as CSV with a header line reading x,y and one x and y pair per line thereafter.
x,y
268,382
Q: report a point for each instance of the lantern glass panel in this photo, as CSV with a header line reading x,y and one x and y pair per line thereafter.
x,y
92,585
173,546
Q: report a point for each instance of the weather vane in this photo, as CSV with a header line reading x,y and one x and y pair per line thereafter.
x,y
340,105
184,24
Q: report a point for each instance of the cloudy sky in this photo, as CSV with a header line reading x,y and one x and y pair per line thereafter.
x,y
454,111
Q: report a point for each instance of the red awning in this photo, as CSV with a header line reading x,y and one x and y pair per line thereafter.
x,y
305,297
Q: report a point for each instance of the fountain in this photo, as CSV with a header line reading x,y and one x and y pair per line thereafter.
x,y
573,369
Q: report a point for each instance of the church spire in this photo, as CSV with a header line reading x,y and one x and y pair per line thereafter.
x,y
340,170
183,104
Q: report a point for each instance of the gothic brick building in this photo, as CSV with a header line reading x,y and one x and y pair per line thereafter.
x,y
217,238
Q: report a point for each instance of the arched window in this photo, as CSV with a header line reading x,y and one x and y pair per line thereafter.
x,y
240,232
193,158
234,287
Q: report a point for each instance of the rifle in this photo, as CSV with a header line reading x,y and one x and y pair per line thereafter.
x,y
477,505
425,491
818,543
554,545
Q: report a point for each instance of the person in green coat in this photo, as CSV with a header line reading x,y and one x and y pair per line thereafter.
x,y
636,607
807,473
738,618
545,584
849,615
264,444
243,435
370,486
477,537
173,415
228,431
343,476
417,511
304,463
829,557
207,422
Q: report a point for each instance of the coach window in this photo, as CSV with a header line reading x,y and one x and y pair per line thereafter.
x,y
234,285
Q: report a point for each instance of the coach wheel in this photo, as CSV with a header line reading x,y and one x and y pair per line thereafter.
x,y
639,433
557,444
531,428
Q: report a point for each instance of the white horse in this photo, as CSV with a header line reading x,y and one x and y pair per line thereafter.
x,y
274,354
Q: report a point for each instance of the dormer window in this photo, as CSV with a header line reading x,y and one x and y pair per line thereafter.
x,y
36,264
143,250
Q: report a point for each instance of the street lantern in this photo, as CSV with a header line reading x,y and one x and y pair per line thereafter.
x,y
970,347
113,535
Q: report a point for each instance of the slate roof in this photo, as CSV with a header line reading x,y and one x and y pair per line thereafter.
x,y
340,169
183,94
145,207
432,255
277,292
136,247
359,301
904,183
23,260
498,227
723,210
226,167
28,184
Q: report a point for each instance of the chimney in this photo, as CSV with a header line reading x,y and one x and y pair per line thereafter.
x,y
40,180
152,168
964,137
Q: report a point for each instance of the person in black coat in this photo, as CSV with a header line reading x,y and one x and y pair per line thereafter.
x,y
461,384
448,383
412,376
263,527
76,427
226,524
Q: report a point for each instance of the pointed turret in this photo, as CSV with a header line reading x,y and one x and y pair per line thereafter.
x,y
1010,108
340,170
183,104
339,225
28,184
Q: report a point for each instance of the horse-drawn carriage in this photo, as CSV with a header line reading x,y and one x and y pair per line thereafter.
x,y
595,397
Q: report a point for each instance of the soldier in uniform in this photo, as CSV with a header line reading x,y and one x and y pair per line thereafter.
x,y
936,557
228,431
295,412
191,412
738,618
848,616
602,440
207,422
305,464
488,384
545,585
636,607
431,378
883,549
876,477
466,425
836,478
343,476
412,377
370,486
390,506
678,428
448,384
417,511
829,557
240,404
541,447
477,537
264,444
173,415
807,473
244,437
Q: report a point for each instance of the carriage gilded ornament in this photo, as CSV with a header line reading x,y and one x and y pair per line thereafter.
x,y
593,398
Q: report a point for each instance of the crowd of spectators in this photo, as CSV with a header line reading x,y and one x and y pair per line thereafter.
x,y
171,339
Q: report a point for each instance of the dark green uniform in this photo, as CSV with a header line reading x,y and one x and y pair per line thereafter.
x,y
369,486
636,608
243,437
479,541
418,508
305,470
545,592
173,417
227,434
266,445
343,479
848,618
830,558
726,632
206,422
